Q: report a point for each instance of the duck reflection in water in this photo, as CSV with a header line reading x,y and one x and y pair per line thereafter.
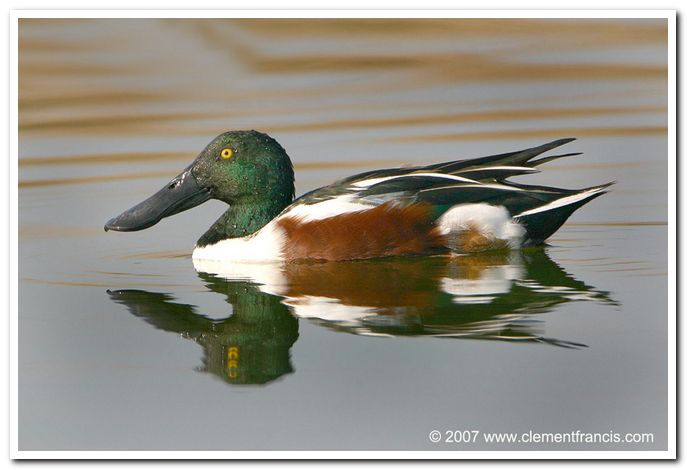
x,y
495,296
251,346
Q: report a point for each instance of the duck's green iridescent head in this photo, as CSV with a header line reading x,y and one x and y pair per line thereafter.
x,y
248,170
245,164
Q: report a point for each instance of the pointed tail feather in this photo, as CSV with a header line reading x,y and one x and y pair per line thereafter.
x,y
551,158
512,159
526,155
541,222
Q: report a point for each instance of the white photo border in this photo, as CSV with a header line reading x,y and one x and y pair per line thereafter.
x,y
15,15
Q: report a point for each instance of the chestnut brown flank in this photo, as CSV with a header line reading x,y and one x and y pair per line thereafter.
x,y
385,230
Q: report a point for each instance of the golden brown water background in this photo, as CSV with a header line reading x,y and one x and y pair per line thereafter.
x,y
111,109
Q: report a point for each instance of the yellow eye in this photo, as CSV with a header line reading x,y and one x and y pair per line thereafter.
x,y
226,153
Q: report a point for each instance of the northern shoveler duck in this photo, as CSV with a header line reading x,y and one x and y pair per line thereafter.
x,y
458,207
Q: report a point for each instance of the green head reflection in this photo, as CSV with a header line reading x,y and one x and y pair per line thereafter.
x,y
251,346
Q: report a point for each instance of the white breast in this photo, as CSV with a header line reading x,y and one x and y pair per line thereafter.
x,y
265,245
